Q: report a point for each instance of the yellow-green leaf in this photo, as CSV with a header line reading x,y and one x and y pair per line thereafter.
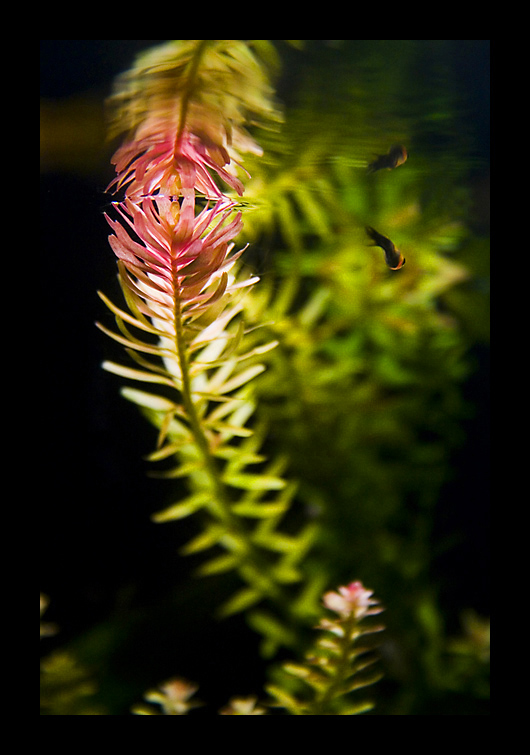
x,y
241,601
219,565
259,510
255,482
285,700
204,540
148,400
132,374
184,508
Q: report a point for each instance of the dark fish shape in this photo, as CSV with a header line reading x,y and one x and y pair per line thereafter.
x,y
393,257
396,155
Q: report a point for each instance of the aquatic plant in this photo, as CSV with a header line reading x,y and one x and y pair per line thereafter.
x,y
187,103
304,421
334,668
336,665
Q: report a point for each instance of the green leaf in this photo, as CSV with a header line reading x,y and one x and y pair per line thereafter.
x,y
269,626
174,374
307,605
244,377
254,482
287,220
314,307
285,700
168,450
259,350
297,669
134,344
219,565
229,431
239,455
360,683
121,314
312,211
134,302
259,510
148,400
294,547
132,374
184,508
285,574
199,367
354,710
239,405
276,541
304,541
207,539
181,470
242,600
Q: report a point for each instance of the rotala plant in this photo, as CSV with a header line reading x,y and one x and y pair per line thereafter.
x,y
333,670
184,106
337,664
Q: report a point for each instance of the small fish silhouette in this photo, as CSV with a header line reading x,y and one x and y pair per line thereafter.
x,y
393,257
396,155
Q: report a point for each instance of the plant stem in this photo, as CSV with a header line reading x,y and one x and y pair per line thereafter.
x,y
189,88
342,665
221,498
221,502
195,424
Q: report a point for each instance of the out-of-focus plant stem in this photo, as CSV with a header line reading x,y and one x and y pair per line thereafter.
x,y
189,88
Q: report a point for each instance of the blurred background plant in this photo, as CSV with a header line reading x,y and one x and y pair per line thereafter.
x,y
376,394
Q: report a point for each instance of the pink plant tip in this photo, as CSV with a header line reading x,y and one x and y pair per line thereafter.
x,y
243,706
152,164
178,690
174,696
352,599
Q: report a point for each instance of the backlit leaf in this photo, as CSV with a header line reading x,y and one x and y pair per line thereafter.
x,y
241,601
184,508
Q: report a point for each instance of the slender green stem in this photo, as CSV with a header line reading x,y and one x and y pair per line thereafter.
x,y
195,424
189,88
342,667
221,504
